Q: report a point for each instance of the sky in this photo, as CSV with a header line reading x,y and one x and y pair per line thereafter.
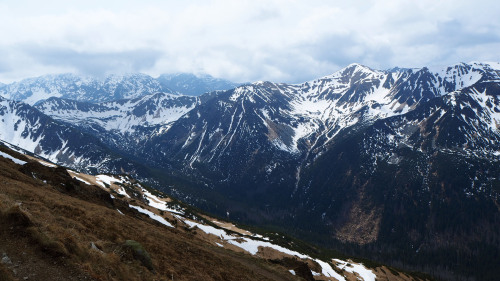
x,y
243,41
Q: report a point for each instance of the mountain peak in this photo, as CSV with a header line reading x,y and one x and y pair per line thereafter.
x,y
358,67
194,85
351,70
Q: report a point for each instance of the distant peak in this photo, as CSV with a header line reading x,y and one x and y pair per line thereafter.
x,y
491,64
398,69
178,74
356,65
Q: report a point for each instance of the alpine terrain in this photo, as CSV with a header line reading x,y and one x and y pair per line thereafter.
x,y
399,166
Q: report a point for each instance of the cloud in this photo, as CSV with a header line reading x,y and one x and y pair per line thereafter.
x,y
94,63
453,33
5,66
277,40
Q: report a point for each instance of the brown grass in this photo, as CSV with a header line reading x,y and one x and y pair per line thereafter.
x,y
5,274
61,222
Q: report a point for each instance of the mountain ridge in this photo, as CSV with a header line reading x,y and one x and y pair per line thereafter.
x,y
109,88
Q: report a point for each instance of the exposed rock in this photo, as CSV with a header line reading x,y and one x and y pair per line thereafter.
x,y
6,259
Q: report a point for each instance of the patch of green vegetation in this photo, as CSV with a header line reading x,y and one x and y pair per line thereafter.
x,y
139,253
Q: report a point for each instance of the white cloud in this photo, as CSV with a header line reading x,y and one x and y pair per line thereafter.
x,y
278,40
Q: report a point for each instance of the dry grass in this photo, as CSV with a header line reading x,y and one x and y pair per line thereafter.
x,y
5,274
74,226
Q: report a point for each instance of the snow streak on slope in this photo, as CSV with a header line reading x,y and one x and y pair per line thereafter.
x,y
152,215
15,160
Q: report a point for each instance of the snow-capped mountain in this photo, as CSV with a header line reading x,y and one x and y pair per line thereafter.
x,y
26,127
82,88
190,84
299,121
110,87
122,123
421,183
122,116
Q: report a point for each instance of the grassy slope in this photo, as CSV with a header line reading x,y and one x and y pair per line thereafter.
x,y
47,232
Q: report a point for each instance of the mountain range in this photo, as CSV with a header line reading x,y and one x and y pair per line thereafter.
x,y
398,165
110,87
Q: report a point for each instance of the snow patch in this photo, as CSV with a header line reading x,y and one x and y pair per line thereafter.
x,y
82,180
328,271
364,273
107,179
17,161
157,203
152,215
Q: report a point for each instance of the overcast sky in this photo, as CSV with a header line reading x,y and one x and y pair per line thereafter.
x,y
282,41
